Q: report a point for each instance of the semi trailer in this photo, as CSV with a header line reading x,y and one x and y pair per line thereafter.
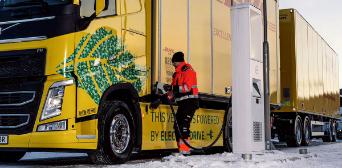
x,y
309,83
78,75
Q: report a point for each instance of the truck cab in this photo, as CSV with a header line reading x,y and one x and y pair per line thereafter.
x,y
42,105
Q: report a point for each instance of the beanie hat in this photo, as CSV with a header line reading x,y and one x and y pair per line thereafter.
x,y
178,57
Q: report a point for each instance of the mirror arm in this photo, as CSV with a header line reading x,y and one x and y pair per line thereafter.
x,y
84,22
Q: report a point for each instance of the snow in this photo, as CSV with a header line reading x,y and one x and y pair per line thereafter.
x,y
328,155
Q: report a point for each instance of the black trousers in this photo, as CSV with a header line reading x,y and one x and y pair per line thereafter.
x,y
185,112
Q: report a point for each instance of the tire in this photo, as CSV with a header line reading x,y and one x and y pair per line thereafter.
x,y
228,134
116,134
295,139
329,138
306,137
10,157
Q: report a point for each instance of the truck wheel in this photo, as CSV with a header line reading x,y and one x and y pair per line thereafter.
x,y
228,134
329,138
306,141
296,138
9,157
116,134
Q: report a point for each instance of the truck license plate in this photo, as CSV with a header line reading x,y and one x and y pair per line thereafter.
x,y
3,139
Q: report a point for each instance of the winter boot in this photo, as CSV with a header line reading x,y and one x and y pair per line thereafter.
x,y
183,148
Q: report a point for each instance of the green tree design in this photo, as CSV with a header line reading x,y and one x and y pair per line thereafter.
x,y
100,61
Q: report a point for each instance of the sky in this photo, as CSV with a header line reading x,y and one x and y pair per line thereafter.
x,y
325,16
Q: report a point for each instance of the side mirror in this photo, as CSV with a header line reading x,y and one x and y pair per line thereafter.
x,y
100,5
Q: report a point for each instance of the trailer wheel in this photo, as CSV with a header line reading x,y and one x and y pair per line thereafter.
x,y
334,131
296,138
116,134
306,141
9,157
227,134
330,136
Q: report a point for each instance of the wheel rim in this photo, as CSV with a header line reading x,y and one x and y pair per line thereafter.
x,y
119,133
298,132
333,129
330,132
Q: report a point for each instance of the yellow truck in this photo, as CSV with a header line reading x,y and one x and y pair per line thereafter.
x,y
78,75
309,83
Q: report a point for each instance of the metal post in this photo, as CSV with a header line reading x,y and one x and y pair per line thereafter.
x,y
266,81
160,19
154,42
188,31
212,46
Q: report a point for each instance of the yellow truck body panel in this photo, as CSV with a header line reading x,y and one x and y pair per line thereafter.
x,y
309,68
159,133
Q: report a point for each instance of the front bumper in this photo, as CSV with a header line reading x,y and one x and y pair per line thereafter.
x,y
52,140
47,141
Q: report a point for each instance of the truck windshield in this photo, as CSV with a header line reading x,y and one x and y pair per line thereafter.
x,y
16,3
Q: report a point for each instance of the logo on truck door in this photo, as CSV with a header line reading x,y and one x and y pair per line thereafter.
x,y
100,61
86,112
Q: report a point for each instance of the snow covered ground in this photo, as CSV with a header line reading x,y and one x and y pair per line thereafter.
x,y
322,156
319,156
327,156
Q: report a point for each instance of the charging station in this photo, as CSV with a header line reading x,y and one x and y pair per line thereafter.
x,y
248,100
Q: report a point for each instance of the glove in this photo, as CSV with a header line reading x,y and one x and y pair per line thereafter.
x,y
170,95
167,87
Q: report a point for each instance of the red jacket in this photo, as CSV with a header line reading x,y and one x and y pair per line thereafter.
x,y
184,82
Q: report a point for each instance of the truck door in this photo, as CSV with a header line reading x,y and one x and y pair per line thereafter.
x,y
134,39
96,45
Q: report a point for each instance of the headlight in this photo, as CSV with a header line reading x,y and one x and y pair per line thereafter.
x,y
55,126
54,100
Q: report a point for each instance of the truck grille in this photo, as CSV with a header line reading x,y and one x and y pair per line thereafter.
x,y
16,98
14,120
22,63
21,87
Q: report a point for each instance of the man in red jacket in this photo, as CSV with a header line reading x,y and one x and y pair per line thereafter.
x,y
185,93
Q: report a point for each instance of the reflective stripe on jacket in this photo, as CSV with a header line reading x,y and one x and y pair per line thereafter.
x,y
184,82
